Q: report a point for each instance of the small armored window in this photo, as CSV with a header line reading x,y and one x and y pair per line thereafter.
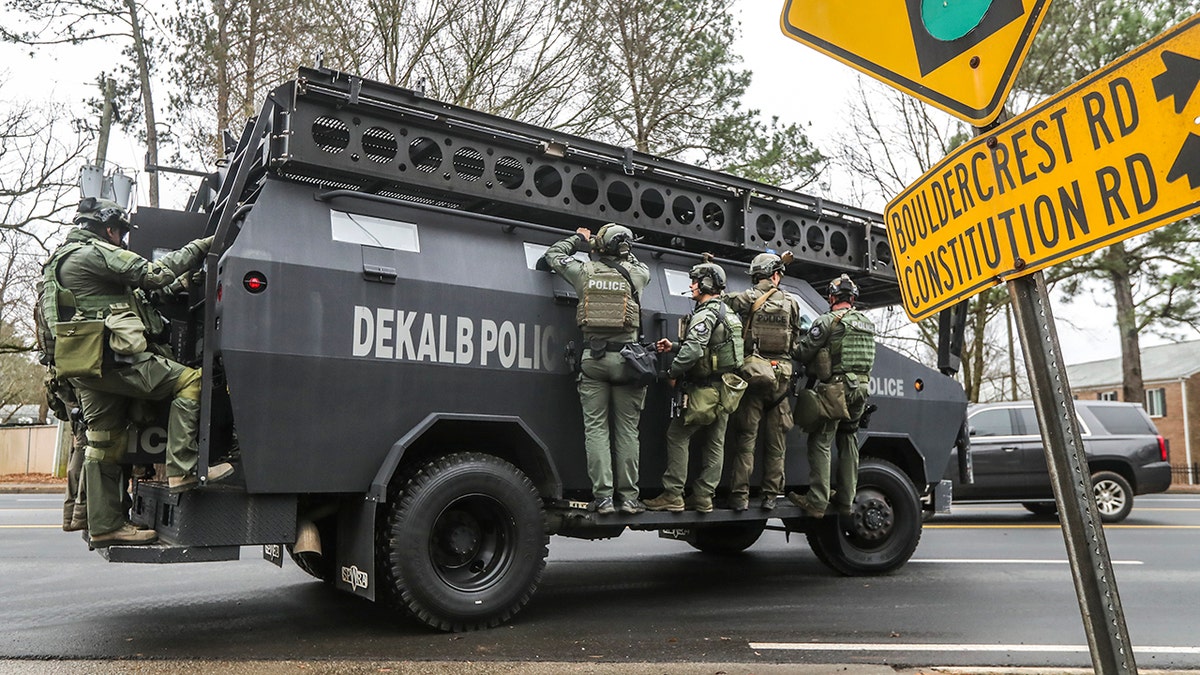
x,y
356,228
535,252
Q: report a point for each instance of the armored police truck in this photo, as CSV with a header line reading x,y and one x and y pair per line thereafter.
x,y
383,353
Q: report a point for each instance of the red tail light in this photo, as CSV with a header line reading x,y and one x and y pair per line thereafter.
x,y
255,282
1162,448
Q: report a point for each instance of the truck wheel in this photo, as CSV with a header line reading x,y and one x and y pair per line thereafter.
x,y
1041,508
1114,496
883,530
465,543
727,539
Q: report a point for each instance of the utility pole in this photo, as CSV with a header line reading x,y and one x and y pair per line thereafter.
x,y
105,122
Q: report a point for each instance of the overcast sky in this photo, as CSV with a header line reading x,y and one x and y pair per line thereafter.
x,y
791,81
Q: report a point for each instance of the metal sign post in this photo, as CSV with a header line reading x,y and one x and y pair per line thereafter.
x,y
1087,550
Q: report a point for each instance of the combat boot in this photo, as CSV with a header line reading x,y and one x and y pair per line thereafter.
x,y
699,503
177,484
803,503
665,502
739,502
126,534
768,503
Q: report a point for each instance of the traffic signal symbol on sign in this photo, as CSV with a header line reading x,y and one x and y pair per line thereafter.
x,y
1113,155
958,55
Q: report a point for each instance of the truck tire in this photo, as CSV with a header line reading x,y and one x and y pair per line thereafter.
x,y
1114,496
465,543
884,529
727,539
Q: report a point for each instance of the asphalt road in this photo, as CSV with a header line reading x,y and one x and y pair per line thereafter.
x,y
989,585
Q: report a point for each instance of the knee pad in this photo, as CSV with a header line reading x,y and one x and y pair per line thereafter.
x,y
106,447
188,384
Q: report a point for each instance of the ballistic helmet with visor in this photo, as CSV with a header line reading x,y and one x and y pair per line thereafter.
x,y
843,288
709,277
765,265
614,239
102,212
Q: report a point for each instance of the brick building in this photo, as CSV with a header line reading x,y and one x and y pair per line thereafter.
x,y
1171,375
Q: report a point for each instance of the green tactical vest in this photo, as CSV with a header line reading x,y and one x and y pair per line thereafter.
x,y
857,344
770,327
725,350
57,303
607,301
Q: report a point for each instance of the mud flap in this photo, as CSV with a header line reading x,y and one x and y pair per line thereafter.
x,y
355,570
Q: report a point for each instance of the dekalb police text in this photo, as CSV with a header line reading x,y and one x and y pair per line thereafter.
x,y
385,333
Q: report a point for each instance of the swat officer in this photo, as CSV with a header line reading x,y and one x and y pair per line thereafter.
x,y
771,319
844,339
711,347
610,316
90,279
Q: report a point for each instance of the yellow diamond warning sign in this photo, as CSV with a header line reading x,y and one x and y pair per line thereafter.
x,y
1114,155
958,55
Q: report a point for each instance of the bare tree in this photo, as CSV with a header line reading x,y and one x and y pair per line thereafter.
x,y
1152,276
58,22
39,155
890,140
227,55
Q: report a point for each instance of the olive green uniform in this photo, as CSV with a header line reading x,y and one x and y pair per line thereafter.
x,y
101,279
712,345
773,333
605,392
849,335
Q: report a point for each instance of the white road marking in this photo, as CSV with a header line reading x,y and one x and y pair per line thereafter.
x,y
1007,561
937,647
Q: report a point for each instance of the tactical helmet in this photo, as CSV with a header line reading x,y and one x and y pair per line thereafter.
x,y
614,239
843,288
103,212
709,276
764,265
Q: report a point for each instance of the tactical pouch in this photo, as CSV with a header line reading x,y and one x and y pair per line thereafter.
x,y
127,333
702,406
641,364
822,365
831,396
731,388
807,411
79,348
758,373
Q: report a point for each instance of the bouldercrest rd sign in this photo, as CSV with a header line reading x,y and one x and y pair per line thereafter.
x,y
1114,155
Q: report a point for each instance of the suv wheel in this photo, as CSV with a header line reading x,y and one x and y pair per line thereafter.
x,y
1114,496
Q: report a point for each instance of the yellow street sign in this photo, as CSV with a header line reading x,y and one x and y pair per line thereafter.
x,y
1113,155
958,55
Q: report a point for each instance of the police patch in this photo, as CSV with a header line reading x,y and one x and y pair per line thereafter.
x,y
815,332
565,260
700,328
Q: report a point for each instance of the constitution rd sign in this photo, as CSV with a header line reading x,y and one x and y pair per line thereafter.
x,y
958,55
1114,155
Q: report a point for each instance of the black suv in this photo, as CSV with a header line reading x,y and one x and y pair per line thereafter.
x,y
1125,454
